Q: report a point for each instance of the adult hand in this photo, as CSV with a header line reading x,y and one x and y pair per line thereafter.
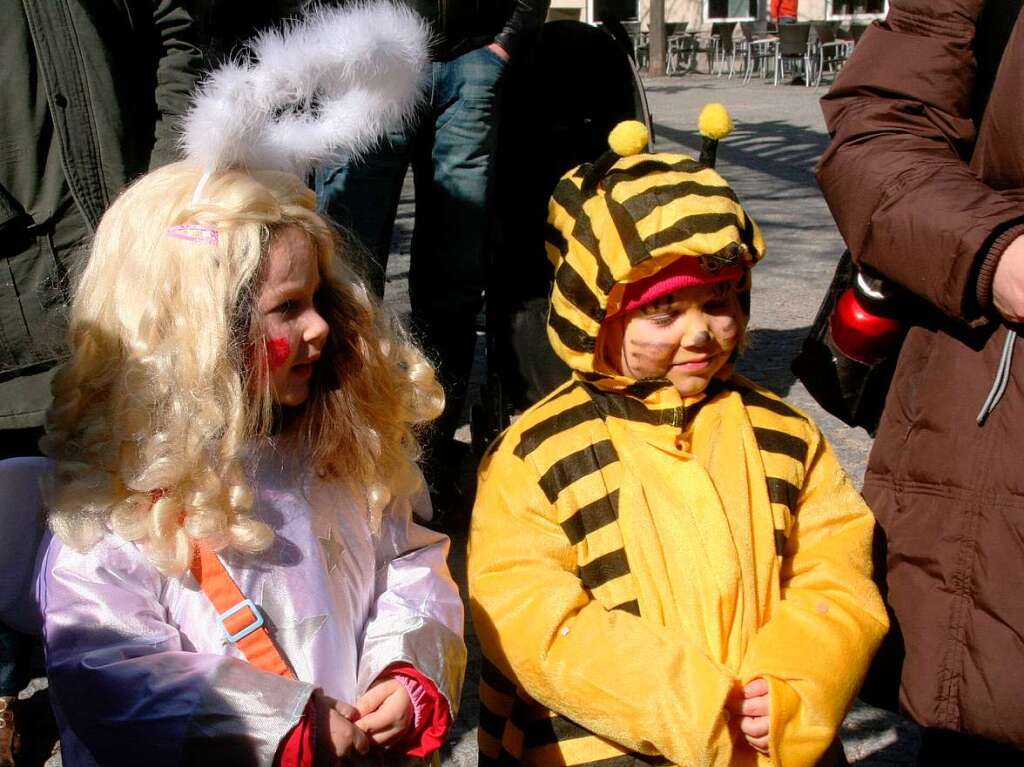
x,y
385,711
338,738
1008,282
751,705
499,51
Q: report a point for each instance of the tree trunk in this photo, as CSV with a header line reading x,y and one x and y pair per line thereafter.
x,y
656,40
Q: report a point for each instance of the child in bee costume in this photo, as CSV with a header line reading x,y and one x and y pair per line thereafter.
x,y
667,562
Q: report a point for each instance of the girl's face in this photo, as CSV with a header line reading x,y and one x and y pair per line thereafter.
x,y
285,305
686,336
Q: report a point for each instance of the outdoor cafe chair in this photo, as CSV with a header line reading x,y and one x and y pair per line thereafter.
x,y
793,48
709,43
726,48
831,52
678,47
639,40
757,48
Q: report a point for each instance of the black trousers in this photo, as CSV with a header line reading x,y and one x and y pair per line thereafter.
x,y
940,748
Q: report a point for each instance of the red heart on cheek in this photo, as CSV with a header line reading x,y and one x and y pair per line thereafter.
x,y
278,352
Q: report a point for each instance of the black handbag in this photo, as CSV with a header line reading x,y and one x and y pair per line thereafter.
x,y
850,390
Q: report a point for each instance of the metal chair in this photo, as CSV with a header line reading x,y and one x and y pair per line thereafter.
x,y
708,44
678,45
793,47
832,53
757,48
726,48
638,38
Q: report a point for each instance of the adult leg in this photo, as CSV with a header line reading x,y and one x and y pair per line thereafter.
x,y
15,647
15,664
449,252
362,196
942,748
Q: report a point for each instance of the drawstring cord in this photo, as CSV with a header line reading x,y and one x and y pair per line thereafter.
x,y
1001,380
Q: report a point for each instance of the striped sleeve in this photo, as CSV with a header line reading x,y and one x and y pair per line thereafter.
x,y
830,615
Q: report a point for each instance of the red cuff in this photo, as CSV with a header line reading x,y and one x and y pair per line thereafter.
x,y
297,747
434,717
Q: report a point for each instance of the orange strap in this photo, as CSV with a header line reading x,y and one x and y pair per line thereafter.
x,y
238,616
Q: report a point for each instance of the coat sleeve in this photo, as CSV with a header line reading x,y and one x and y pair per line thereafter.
x,y
523,26
638,684
815,647
116,664
417,616
178,65
896,175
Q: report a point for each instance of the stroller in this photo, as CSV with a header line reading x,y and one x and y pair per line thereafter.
x,y
558,111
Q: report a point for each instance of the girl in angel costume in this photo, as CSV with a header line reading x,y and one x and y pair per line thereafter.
x,y
236,575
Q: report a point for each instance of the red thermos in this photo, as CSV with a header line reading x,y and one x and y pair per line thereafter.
x,y
859,326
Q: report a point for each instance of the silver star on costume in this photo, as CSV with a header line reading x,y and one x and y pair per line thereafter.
x,y
293,635
332,549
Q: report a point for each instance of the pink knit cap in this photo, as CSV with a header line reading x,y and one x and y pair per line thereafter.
x,y
684,272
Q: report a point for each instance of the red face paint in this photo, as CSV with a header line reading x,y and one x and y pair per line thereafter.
x,y
278,352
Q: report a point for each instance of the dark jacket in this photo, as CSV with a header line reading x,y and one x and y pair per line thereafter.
x,y
927,189
458,26
86,101
462,25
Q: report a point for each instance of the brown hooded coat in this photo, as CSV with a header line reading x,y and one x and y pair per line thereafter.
x,y
928,192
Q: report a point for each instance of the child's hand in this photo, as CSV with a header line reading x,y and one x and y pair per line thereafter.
x,y
751,706
385,711
337,736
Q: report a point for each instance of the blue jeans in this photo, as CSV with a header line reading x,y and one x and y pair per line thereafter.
x,y
15,661
451,148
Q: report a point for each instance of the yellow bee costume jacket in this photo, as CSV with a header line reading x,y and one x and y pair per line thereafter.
x,y
635,557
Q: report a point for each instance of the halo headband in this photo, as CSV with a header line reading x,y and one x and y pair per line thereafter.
x,y
329,84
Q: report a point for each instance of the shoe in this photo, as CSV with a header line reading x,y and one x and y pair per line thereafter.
x,y
8,734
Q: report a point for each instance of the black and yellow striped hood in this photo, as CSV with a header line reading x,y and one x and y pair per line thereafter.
x,y
646,211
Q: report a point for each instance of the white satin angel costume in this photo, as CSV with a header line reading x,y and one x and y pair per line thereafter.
x,y
141,672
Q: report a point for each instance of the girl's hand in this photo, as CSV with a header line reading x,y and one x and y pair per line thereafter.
x,y
337,736
385,711
752,708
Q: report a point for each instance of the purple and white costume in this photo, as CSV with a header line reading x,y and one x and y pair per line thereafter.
x,y
142,673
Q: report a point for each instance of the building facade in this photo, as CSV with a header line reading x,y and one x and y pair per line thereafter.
x,y
701,13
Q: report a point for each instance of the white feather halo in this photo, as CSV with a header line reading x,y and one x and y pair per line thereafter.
x,y
332,82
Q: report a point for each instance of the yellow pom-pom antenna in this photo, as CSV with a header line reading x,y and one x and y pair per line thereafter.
x,y
628,138
715,122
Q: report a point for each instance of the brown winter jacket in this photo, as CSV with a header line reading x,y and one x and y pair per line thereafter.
x,y
929,193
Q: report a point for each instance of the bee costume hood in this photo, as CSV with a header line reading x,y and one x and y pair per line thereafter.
x,y
629,215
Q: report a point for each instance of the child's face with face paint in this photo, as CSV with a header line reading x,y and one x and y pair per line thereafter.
x,y
686,336
294,330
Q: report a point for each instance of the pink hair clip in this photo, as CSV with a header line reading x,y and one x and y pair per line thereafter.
x,y
194,233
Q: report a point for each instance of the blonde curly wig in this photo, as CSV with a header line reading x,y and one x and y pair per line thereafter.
x,y
166,390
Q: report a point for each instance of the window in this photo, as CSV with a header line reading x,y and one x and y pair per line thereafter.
x,y
848,9
615,9
730,10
